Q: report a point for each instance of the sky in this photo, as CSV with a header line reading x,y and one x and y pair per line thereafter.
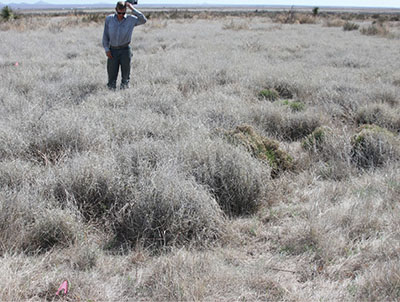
x,y
351,3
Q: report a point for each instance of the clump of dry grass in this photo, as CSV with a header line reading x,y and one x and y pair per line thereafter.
x,y
381,115
376,29
292,17
168,210
236,25
193,275
334,22
285,124
91,185
34,226
374,146
330,149
349,26
380,283
238,181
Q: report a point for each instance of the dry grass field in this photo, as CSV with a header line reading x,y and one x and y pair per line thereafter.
x,y
253,159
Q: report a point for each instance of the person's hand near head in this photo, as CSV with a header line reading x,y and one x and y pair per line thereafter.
x,y
129,5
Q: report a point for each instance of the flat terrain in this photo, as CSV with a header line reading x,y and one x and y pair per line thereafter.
x,y
253,159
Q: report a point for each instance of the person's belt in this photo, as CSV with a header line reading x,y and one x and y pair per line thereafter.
x,y
120,47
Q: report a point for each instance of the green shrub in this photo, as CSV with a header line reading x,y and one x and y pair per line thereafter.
x,y
315,11
295,106
7,13
261,148
268,94
349,26
374,146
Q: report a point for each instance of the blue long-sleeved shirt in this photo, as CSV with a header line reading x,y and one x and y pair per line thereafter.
x,y
117,33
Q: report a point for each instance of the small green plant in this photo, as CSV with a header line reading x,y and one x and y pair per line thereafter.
x,y
314,141
268,94
295,106
262,148
315,11
349,26
7,13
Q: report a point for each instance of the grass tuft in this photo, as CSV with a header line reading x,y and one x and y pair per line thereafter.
x,y
374,146
168,210
268,94
349,26
262,148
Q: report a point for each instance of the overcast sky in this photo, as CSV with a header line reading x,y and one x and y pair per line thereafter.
x,y
365,3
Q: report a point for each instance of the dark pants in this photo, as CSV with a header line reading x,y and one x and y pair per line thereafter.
x,y
121,57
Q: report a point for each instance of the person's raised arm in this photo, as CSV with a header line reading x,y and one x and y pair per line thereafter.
x,y
141,18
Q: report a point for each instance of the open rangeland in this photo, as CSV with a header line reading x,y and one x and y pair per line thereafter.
x,y
253,159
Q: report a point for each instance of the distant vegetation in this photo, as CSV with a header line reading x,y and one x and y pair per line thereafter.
x,y
7,14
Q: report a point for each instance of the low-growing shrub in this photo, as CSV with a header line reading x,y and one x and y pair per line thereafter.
x,y
284,124
375,30
349,26
374,146
91,185
29,223
295,106
168,210
329,149
316,140
268,94
55,137
381,115
7,13
49,229
237,180
261,148
285,90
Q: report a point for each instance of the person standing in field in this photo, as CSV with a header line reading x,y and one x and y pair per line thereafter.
x,y
117,36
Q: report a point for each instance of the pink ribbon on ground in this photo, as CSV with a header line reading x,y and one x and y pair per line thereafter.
x,y
63,286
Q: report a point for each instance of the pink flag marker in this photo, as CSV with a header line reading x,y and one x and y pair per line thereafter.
x,y
16,64
63,286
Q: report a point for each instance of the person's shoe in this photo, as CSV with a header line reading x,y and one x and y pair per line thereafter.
x,y
112,88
